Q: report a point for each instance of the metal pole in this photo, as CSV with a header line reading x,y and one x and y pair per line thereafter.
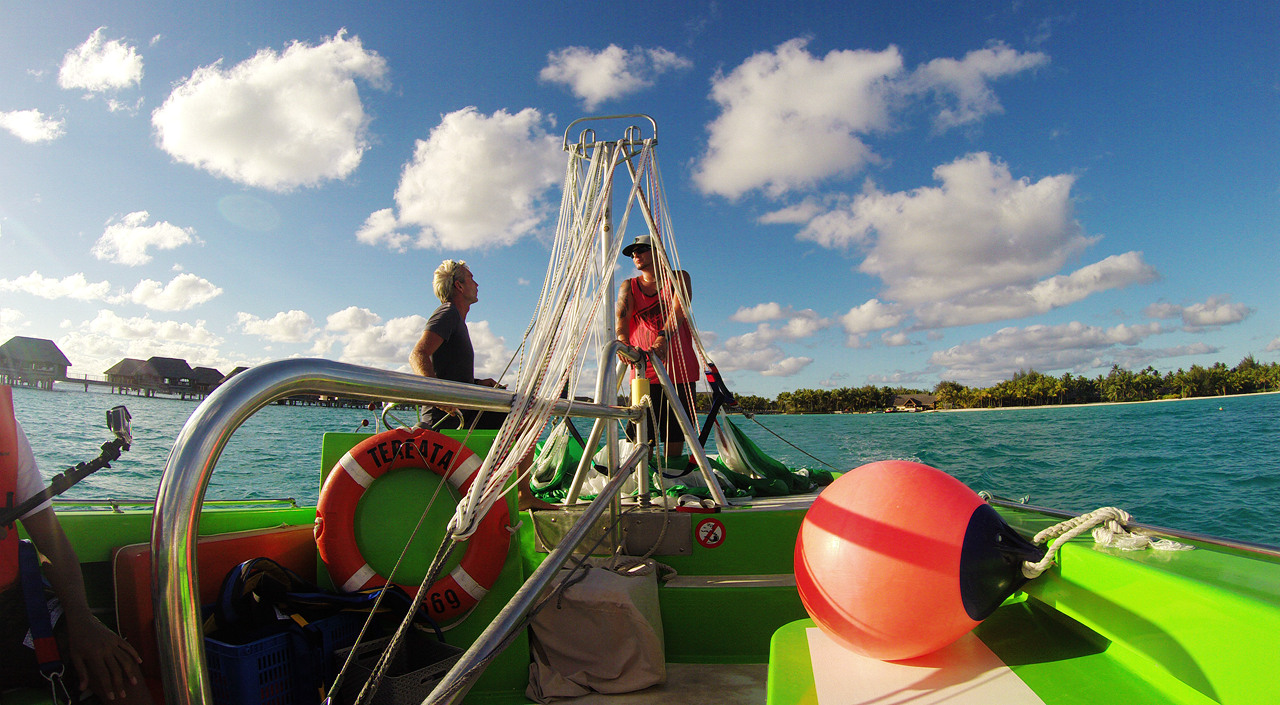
x,y
455,684
690,434
597,430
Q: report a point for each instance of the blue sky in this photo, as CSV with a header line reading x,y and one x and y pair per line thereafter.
x,y
883,193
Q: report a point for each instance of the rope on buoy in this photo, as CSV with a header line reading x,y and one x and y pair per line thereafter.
x,y
1108,525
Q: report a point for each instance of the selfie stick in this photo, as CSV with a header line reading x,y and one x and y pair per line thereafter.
x,y
118,421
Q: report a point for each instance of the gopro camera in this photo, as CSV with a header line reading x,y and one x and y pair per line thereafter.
x,y
118,421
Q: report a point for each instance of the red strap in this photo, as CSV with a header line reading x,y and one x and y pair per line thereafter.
x,y
8,485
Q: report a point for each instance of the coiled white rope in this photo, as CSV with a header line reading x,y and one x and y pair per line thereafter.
x,y
1108,525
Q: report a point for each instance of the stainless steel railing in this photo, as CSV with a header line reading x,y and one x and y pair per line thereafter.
x,y
190,465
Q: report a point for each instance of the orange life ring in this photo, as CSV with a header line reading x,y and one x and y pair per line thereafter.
x,y
451,595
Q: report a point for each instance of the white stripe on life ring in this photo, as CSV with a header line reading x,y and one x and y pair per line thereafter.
x,y
468,584
465,471
358,579
357,473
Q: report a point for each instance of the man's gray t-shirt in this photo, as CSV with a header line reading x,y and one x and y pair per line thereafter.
x,y
454,359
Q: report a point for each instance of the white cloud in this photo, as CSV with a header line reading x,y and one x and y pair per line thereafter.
x,y
1018,301
478,181
759,349
1040,347
95,352
120,106
1135,358
376,345
275,121
12,322
1274,345
98,65
895,339
613,72
980,230
352,319
800,324
962,87
381,228
803,324
74,286
285,327
1214,312
760,312
108,323
127,240
363,337
183,292
31,126
797,214
870,316
789,119
787,367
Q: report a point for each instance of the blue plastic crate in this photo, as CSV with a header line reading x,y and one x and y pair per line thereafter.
x,y
284,667
336,633
260,672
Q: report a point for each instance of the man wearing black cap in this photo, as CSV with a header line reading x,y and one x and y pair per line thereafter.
x,y
652,317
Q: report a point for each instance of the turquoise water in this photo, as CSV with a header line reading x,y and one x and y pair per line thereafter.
x,y
1206,465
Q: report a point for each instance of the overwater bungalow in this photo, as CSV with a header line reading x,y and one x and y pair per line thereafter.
x,y
32,362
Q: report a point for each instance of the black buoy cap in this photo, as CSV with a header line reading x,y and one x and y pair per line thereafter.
x,y
991,562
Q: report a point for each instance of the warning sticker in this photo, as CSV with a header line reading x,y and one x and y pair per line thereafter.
x,y
710,533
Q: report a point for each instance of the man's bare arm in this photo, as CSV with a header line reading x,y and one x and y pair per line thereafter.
x,y
420,356
621,323
106,663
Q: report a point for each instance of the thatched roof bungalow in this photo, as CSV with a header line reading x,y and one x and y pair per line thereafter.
x,y
205,379
165,371
32,362
915,402
125,372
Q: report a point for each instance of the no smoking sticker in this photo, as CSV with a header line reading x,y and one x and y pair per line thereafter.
x,y
710,533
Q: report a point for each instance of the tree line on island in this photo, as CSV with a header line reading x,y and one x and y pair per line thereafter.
x,y
1031,388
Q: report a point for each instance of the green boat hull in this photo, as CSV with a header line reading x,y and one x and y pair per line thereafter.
x,y
1144,627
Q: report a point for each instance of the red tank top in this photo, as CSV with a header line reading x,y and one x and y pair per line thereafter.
x,y
647,314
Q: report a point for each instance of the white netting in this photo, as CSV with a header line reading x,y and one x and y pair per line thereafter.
x,y
573,291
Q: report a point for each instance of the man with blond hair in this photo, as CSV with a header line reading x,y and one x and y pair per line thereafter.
x,y
444,351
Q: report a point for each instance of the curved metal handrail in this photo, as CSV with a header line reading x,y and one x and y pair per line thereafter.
x,y
569,127
174,592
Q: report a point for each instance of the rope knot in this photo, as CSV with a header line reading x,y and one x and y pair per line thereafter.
x,y
1108,529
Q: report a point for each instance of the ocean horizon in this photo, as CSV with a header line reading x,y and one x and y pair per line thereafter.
x,y
1207,465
